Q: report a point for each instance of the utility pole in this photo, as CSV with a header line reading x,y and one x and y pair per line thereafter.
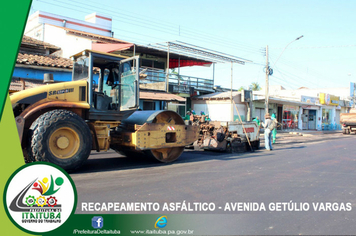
x,y
167,74
354,95
269,71
267,82
213,74
232,106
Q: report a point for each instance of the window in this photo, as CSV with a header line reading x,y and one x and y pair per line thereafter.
x,y
290,117
149,105
326,116
81,69
146,63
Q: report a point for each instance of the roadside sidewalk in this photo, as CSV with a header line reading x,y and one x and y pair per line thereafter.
x,y
305,132
304,136
309,132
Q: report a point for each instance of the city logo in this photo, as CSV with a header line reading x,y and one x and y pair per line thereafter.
x,y
39,197
161,222
97,222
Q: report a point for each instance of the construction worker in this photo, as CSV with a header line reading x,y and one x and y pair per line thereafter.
x,y
274,131
267,130
257,120
187,116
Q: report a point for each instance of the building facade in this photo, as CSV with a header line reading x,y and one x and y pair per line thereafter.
x,y
220,107
305,109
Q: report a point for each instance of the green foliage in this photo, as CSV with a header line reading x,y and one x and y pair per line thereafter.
x,y
241,88
255,86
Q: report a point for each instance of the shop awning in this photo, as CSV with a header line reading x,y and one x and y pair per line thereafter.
x,y
175,63
284,101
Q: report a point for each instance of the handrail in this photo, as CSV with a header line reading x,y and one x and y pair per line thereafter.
x,y
154,75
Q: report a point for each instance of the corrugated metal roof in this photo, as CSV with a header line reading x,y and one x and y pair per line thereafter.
x,y
216,96
98,37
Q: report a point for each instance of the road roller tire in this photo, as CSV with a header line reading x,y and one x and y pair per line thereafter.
x,y
27,151
165,155
62,138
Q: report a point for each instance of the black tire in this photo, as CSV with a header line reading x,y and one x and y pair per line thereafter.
x,y
57,133
256,144
344,131
28,154
238,146
248,147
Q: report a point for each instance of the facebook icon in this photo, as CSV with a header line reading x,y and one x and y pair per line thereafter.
x,y
97,222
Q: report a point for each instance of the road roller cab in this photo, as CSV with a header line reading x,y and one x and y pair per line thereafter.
x,y
62,122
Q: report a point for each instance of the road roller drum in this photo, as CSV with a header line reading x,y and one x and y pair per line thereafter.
x,y
158,134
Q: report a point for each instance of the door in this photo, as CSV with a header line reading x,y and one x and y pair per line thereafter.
x,y
115,95
129,85
260,112
312,119
280,115
305,119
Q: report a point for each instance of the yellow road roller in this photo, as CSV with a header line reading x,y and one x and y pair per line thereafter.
x,y
99,109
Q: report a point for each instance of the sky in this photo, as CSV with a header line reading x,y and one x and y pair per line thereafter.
x,y
324,57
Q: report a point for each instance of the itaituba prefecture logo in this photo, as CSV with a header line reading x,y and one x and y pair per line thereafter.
x,y
39,197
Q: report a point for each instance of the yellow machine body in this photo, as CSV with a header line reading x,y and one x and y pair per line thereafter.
x,y
161,134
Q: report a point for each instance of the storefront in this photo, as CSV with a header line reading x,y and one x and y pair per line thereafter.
x,y
304,109
327,115
310,113
290,117
329,111
259,109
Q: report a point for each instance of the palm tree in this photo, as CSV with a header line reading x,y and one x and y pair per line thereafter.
x,y
255,86
241,88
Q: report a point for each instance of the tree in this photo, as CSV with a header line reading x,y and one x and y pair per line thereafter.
x,y
241,88
174,72
255,86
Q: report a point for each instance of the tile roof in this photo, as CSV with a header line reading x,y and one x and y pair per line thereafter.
x,y
42,60
161,96
29,41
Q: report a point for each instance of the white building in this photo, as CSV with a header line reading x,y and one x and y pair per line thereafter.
x,y
220,108
71,35
303,108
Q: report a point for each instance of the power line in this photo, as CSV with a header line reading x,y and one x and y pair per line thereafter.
x,y
181,29
137,23
312,74
321,47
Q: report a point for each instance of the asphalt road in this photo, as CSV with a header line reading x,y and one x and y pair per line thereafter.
x,y
313,169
